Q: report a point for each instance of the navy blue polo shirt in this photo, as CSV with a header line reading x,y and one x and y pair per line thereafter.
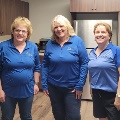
x,y
65,66
17,70
103,69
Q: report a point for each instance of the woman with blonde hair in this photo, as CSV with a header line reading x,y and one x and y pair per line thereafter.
x,y
19,71
64,70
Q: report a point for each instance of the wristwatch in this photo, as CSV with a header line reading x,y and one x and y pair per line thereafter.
x,y
36,83
118,95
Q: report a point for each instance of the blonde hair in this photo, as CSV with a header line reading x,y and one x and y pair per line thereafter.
x,y
22,21
63,21
107,26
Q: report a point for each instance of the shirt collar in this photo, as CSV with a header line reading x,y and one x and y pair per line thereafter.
x,y
12,45
109,46
69,41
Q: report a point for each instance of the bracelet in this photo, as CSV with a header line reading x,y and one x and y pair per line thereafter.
x,y
118,95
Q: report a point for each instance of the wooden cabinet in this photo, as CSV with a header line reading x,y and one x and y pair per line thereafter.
x,y
94,5
9,10
81,5
2,16
107,5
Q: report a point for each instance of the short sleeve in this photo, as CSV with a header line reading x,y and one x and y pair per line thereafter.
x,y
118,56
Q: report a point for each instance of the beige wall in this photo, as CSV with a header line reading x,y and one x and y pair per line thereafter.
x,y
41,13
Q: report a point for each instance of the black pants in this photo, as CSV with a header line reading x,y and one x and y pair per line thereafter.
x,y
103,105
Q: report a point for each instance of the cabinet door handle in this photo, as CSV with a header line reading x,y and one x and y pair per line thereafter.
x,y
1,33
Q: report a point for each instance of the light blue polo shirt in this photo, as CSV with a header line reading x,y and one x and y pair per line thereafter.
x,y
65,66
103,69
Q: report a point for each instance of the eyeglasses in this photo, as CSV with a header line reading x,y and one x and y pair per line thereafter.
x,y
23,31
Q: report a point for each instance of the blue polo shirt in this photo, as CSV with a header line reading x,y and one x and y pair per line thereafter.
x,y
65,66
17,70
103,69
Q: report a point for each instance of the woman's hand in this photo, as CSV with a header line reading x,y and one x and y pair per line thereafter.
x,y
2,96
117,103
46,92
117,99
78,93
91,92
36,89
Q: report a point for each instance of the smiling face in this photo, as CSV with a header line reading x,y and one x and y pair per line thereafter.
x,y
20,33
101,35
60,30
21,29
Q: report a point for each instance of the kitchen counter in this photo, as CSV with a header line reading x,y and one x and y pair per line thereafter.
x,y
4,37
41,54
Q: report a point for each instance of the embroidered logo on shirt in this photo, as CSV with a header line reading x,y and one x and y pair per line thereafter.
x,y
69,48
29,54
